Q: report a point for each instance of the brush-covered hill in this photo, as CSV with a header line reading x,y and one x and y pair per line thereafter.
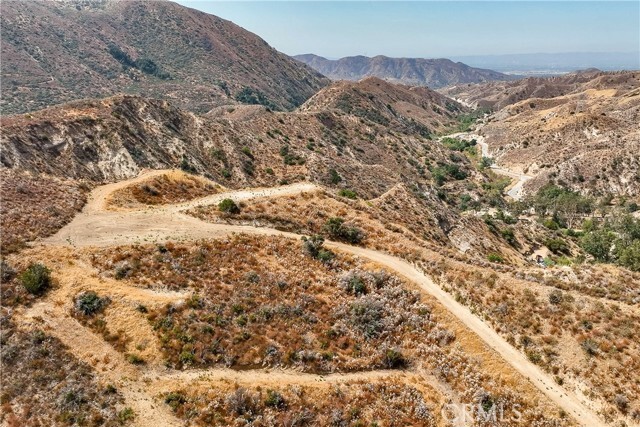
x,y
57,51
580,131
499,94
409,109
114,138
239,146
434,73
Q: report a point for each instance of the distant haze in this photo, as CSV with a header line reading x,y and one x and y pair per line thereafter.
x,y
550,63
454,30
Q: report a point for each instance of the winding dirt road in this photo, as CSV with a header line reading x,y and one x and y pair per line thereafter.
x,y
515,190
96,226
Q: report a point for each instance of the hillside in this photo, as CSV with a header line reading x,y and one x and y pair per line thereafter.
x,y
349,262
403,108
497,95
434,73
55,52
113,138
577,131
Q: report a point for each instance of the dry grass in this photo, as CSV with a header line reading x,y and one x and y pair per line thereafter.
x,y
354,404
35,206
258,310
265,303
173,187
44,384
584,342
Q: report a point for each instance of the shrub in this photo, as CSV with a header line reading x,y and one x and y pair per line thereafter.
x,y
556,297
247,152
334,177
313,247
494,257
89,303
36,278
289,158
350,194
274,399
6,271
354,284
126,415
393,359
590,347
622,402
241,402
557,246
249,95
187,167
175,399
485,163
336,229
135,359
367,315
228,206
122,271
509,236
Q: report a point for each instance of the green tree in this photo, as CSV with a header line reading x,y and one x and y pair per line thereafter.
x,y
598,244
629,256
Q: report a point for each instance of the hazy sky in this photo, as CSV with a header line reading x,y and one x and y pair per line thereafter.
x,y
435,29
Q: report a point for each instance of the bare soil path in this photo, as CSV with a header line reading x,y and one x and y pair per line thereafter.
x,y
515,190
97,227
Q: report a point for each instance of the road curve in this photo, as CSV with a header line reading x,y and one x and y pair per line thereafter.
x,y
516,190
98,227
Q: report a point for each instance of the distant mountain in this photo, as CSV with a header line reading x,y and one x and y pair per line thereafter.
x,y
435,73
54,52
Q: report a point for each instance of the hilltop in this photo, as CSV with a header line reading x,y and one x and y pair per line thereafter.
x,y
435,73
55,52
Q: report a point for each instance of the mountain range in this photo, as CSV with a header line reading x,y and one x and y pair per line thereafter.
x,y
62,51
435,73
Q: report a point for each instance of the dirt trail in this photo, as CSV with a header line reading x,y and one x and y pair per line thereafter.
x,y
96,227
515,190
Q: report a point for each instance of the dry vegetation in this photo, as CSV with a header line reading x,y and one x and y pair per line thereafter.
x,y
256,310
35,206
172,187
399,222
588,344
43,384
267,303
356,404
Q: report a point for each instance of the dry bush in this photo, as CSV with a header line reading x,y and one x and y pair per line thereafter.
x,y
267,303
545,323
355,404
172,187
44,384
35,206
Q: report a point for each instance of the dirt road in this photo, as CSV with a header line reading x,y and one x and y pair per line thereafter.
x,y
515,190
96,226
